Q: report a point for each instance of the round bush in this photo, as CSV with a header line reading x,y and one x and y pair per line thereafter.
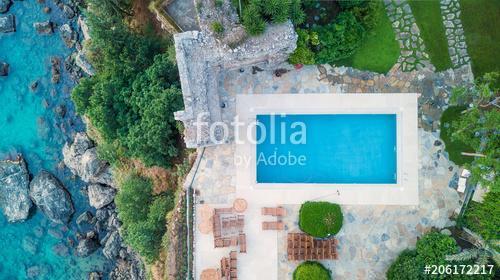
x,y
311,271
320,219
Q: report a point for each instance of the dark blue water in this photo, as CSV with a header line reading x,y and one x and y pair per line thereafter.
x,y
29,125
335,149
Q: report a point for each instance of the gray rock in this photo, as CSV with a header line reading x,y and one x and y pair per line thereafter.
x,y
82,62
68,12
100,195
14,190
68,35
4,69
5,5
85,218
446,232
87,246
46,27
101,214
81,158
7,24
95,276
112,245
49,194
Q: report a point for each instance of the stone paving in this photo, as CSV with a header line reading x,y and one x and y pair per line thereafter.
x,y
434,87
373,236
413,54
457,47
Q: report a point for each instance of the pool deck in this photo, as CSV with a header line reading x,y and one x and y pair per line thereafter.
x,y
404,192
372,235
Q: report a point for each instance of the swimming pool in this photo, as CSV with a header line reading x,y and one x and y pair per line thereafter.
x,y
326,148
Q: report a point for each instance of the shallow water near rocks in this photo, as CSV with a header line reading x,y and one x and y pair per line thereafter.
x,y
37,248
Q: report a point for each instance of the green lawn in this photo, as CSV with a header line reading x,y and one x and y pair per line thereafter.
x,y
481,21
428,16
379,51
454,148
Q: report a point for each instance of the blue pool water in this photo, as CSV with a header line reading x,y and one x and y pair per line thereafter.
x,y
328,149
29,125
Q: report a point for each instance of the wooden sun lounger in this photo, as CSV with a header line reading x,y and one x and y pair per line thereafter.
x,y
273,211
223,210
243,243
273,226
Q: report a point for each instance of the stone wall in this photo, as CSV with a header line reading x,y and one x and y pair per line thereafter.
x,y
202,59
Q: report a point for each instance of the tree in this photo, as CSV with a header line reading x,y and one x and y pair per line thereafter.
x,y
143,215
478,126
339,40
155,97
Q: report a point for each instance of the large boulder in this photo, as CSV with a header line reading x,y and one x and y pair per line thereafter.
x,y
14,190
4,69
68,35
46,27
112,245
49,194
81,158
4,6
7,24
100,195
87,245
82,62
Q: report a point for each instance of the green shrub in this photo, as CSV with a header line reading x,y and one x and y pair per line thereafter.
x,y
320,219
143,215
311,271
217,27
257,12
303,53
340,39
252,19
219,3
433,247
484,218
404,267
348,4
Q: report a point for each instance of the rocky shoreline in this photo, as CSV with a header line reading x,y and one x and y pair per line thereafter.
x,y
19,195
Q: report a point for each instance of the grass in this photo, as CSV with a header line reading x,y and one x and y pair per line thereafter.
x,y
428,16
481,22
311,271
454,148
379,51
320,219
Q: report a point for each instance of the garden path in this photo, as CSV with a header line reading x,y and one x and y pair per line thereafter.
x,y
457,47
413,54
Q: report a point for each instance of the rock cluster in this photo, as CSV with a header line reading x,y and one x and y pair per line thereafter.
x,y
55,63
7,24
81,158
46,27
68,35
14,190
49,194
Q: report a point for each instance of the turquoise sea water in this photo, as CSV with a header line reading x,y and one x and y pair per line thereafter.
x,y
38,249
335,149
